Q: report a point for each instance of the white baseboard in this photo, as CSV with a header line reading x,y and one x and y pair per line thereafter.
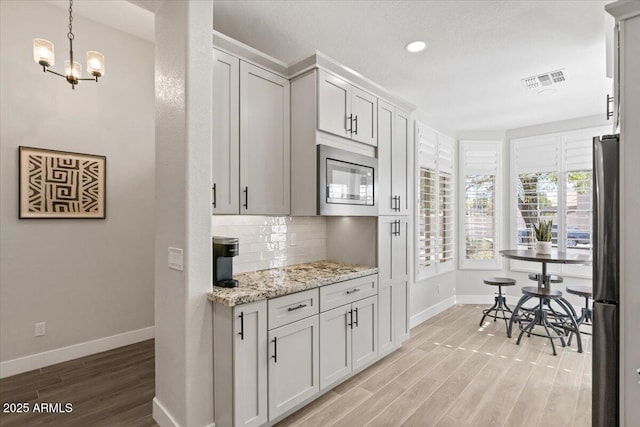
x,y
162,416
51,357
484,299
429,312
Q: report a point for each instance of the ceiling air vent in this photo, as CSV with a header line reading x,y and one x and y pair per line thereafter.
x,y
545,79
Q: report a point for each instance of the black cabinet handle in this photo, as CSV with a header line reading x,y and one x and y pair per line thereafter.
x,y
356,322
297,307
398,199
355,120
353,291
399,229
214,195
350,128
609,110
350,322
241,333
246,197
275,349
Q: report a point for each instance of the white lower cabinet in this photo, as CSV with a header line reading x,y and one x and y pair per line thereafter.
x,y
271,357
240,364
348,339
293,365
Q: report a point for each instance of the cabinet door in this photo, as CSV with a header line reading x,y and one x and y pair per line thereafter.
x,y
264,142
250,364
365,332
364,108
225,150
400,249
386,226
335,345
293,365
334,104
386,328
400,161
386,126
400,311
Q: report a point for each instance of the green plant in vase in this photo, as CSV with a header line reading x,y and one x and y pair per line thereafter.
x,y
543,236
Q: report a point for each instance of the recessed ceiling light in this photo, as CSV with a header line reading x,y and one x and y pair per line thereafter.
x,y
415,46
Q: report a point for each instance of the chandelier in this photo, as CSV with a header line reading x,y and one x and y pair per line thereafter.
x,y
44,55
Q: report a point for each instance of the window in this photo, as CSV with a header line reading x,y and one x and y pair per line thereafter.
x,y
480,184
427,223
553,180
436,202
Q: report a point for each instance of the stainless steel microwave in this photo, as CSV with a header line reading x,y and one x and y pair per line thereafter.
x,y
347,183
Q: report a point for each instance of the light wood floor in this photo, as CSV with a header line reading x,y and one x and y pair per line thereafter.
x,y
453,373
449,373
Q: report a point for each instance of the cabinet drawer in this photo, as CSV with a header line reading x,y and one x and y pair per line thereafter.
x,y
289,308
332,296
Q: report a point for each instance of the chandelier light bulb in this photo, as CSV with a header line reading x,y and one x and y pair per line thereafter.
x,y
72,72
43,52
95,63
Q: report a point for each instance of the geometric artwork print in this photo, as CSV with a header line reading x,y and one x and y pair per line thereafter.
x,y
56,184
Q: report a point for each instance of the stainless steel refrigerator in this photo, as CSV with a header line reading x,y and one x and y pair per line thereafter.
x,y
606,285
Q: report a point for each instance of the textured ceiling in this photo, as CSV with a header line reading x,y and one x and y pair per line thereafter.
x,y
469,77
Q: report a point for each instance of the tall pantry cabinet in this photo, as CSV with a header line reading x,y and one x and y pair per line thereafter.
x,y
393,226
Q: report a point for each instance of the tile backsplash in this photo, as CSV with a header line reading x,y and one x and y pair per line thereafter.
x,y
265,241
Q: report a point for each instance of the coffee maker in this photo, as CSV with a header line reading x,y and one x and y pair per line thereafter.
x,y
224,249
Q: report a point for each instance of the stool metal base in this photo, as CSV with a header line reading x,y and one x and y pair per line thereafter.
x,y
499,306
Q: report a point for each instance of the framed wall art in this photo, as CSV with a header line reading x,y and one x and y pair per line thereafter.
x,y
60,184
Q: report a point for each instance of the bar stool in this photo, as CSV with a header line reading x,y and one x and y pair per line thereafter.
x,y
586,316
500,304
539,318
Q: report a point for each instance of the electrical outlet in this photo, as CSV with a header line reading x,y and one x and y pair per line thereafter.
x,y
176,259
41,329
294,239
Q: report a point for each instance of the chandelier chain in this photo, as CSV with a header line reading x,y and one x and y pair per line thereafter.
x,y
70,35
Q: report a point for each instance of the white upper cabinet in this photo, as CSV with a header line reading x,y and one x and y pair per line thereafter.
x,y
225,150
334,105
251,139
264,142
393,159
346,110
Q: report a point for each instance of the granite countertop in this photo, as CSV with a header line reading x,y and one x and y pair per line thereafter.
x,y
275,282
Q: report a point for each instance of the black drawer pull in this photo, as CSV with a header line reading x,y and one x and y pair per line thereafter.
x,y
241,333
350,319
356,321
297,307
353,291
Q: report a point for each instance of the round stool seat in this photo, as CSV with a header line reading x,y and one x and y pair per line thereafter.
x,y
583,291
534,291
499,281
552,278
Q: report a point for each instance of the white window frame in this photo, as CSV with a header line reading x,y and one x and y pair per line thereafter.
x,y
480,158
434,151
560,165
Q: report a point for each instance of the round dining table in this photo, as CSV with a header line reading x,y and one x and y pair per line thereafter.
x,y
555,257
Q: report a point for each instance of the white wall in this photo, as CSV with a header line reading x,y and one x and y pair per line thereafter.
x,y
88,279
184,341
